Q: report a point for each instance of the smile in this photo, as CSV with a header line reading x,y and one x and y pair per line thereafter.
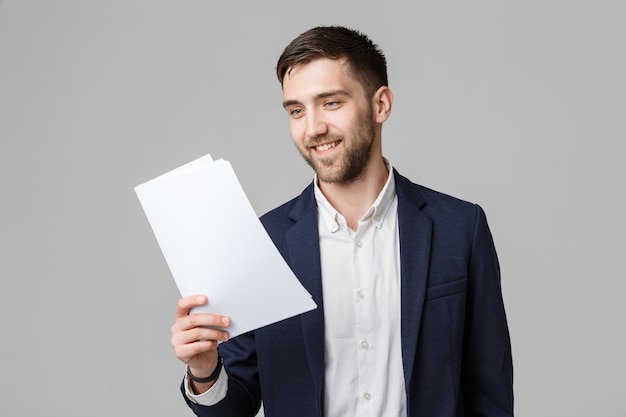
x,y
326,146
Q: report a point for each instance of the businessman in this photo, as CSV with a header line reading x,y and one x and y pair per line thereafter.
x,y
410,318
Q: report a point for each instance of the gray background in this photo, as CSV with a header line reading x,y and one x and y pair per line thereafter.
x,y
519,106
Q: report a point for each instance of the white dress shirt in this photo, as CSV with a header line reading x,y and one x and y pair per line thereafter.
x,y
361,289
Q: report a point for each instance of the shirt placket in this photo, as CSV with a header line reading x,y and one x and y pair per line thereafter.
x,y
362,261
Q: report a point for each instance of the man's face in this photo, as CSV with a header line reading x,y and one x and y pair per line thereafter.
x,y
331,120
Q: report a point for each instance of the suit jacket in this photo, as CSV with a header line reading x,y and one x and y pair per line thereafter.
x,y
455,343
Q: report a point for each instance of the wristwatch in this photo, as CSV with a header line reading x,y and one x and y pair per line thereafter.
x,y
209,378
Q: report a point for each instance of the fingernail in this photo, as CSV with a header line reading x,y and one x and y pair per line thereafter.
x,y
225,321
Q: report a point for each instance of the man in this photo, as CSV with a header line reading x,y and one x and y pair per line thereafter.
x,y
410,318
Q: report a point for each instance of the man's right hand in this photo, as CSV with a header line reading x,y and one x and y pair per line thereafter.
x,y
195,338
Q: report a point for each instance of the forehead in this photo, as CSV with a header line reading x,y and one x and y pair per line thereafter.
x,y
319,76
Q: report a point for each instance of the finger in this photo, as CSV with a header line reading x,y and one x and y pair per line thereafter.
x,y
193,321
204,320
199,334
189,330
191,350
185,304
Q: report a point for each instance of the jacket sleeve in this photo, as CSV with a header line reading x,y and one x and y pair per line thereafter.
x,y
487,362
243,397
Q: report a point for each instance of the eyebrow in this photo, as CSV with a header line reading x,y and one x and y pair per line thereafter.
x,y
325,94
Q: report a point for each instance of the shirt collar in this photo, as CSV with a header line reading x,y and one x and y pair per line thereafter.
x,y
376,213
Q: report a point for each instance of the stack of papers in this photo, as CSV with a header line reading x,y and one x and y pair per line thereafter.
x,y
214,244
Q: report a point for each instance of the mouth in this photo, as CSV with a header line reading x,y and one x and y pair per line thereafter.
x,y
326,146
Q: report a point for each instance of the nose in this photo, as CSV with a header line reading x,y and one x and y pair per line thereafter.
x,y
315,124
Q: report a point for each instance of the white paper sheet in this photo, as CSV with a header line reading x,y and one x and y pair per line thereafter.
x,y
214,244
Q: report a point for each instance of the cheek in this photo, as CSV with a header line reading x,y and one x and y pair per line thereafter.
x,y
297,131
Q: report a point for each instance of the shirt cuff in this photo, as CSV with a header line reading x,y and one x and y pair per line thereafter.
x,y
213,395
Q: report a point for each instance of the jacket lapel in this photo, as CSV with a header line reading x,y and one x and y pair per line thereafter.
x,y
304,253
415,230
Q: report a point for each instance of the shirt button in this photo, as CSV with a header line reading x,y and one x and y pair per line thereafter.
x,y
367,396
365,345
360,294
359,244
376,219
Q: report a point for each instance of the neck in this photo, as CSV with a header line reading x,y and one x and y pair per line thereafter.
x,y
353,199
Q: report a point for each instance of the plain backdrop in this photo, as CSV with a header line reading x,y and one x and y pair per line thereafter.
x,y
518,106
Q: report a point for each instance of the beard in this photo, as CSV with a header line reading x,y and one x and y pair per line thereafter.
x,y
354,158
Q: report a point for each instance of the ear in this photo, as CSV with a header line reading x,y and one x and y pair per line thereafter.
x,y
382,102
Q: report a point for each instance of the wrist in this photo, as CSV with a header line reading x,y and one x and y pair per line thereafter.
x,y
211,378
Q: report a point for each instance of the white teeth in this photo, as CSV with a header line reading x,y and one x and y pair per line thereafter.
x,y
326,146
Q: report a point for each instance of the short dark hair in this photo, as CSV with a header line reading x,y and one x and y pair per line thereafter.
x,y
365,59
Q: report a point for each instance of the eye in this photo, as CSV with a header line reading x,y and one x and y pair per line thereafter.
x,y
296,112
332,104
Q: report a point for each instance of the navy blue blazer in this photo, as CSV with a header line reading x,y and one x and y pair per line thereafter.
x,y
456,350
